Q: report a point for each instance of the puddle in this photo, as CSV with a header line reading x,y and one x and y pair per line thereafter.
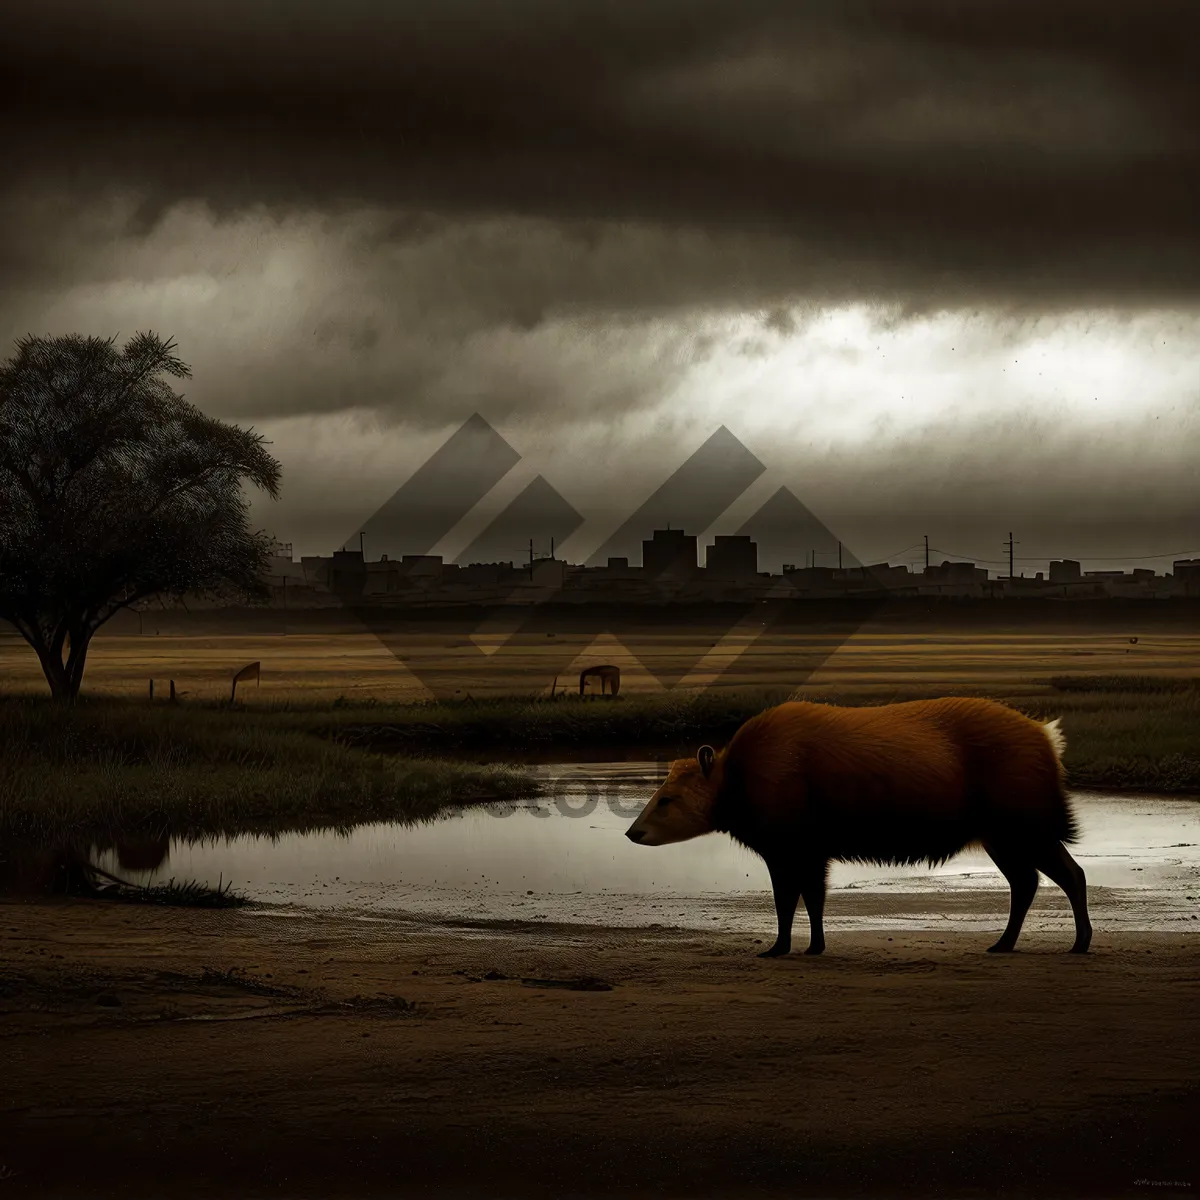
x,y
563,858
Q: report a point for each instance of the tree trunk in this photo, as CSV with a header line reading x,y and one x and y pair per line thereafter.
x,y
81,639
64,678
56,675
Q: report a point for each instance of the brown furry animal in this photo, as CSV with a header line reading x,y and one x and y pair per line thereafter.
x,y
805,784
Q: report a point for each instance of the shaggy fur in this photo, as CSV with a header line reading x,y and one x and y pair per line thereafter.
x,y
804,784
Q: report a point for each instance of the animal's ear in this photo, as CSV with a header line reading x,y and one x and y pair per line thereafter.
x,y
705,756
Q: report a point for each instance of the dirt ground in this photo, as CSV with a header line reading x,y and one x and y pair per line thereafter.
x,y
155,1051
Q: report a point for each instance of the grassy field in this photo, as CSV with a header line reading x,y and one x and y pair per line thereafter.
x,y
339,731
323,658
1137,732
109,768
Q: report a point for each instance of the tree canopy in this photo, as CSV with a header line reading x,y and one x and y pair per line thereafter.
x,y
114,489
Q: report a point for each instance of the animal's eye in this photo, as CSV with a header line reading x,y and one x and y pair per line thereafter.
x,y
663,800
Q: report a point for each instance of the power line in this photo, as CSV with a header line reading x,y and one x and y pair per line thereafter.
x,y
1044,557
1089,557
898,553
1141,557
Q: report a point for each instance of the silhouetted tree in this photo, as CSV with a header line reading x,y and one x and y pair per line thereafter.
x,y
114,489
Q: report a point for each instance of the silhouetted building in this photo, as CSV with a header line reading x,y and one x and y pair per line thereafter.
x,y
548,572
1187,572
482,575
808,578
733,557
347,572
955,573
885,575
316,568
1065,570
421,566
670,554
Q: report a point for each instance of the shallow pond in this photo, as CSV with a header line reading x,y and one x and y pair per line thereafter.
x,y
563,858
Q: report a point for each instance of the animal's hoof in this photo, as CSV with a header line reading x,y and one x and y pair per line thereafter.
x,y
1077,949
815,950
775,952
1000,948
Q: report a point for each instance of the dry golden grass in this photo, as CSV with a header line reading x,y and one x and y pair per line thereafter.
x,y
321,666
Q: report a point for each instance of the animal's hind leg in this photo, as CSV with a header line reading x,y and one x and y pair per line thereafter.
x,y
812,888
1057,865
786,885
1022,878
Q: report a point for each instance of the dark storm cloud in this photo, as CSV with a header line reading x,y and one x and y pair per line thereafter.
x,y
1002,149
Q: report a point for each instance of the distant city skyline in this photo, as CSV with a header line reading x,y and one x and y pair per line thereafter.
x,y
698,563
720,489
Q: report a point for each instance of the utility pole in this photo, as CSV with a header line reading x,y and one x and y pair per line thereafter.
x,y
1010,544
839,556
927,554
551,547
531,556
361,548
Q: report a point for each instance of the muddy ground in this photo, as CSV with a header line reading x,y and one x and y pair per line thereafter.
x,y
152,1052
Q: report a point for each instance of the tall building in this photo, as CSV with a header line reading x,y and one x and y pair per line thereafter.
x,y
670,554
732,557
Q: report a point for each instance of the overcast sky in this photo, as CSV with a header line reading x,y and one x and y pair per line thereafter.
x,y
937,266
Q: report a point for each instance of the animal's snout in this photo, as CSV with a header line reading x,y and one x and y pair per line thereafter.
x,y
635,835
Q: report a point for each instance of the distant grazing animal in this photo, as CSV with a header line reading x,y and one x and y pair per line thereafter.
x,y
606,674
805,784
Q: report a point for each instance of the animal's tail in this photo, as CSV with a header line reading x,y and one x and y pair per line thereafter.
x,y
1068,826
1056,737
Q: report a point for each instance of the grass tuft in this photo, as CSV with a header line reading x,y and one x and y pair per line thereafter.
x,y
174,895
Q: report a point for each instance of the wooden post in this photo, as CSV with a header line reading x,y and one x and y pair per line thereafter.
x,y
253,671
172,691
152,691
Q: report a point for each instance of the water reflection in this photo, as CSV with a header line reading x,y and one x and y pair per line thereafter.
x,y
28,870
563,857
146,853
